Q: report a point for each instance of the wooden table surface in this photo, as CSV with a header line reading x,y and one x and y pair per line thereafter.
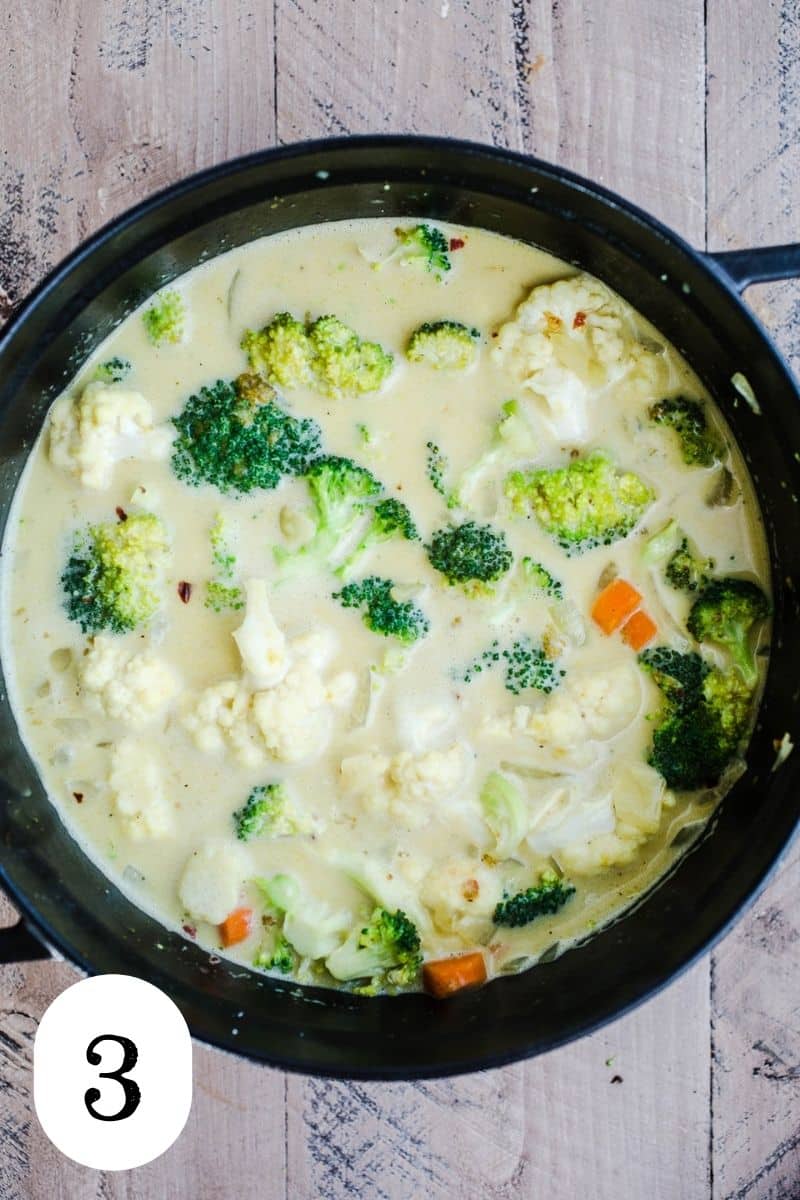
x,y
689,108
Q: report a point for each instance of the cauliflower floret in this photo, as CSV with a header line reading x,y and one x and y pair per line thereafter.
x,y
461,895
406,786
294,717
220,716
570,339
598,854
89,434
262,645
212,880
593,706
133,688
137,789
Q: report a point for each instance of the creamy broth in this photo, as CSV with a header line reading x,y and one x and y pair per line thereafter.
x,y
407,832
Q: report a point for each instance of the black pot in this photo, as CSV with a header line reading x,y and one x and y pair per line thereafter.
x,y
693,298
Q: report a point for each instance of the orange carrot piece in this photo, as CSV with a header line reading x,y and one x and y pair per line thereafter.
x,y
236,926
447,975
615,604
639,630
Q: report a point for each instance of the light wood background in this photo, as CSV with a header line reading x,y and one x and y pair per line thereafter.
x,y
690,108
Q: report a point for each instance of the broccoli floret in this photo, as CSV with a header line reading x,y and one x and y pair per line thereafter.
x,y
276,954
685,570
384,614
444,345
226,440
114,370
537,576
505,811
471,555
484,661
165,319
549,895
704,719
385,951
528,666
588,503
340,491
436,468
389,518
325,354
699,445
221,592
281,351
267,810
111,578
512,439
423,245
725,612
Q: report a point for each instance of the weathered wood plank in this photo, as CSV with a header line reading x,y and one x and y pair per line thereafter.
x,y
753,199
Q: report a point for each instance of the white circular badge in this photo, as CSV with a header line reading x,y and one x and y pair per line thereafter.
x,y
112,1072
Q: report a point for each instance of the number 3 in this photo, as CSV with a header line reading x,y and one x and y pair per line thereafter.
x,y
130,1056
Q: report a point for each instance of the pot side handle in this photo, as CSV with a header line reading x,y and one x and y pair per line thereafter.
x,y
18,944
758,266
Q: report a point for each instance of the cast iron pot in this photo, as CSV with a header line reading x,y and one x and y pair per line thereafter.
x,y
68,906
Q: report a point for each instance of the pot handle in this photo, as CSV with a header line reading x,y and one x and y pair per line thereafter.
x,y
759,266
19,944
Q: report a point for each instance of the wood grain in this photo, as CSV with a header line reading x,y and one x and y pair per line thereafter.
x,y
120,97
753,199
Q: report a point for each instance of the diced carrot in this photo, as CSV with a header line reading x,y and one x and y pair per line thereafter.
x,y
639,630
447,975
236,926
615,604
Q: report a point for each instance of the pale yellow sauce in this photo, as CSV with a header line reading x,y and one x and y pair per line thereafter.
x,y
418,708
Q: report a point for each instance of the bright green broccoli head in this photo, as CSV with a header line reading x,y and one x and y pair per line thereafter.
x,y
276,953
389,519
725,612
537,577
588,503
685,570
549,895
340,491
436,467
227,440
114,370
699,446
505,811
422,245
324,354
528,666
111,580
385,951
382,613
267,812
471,555
705,717
165,319
444,345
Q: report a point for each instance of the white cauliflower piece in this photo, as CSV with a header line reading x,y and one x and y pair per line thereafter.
x,y
598,854
135,688
137,790
294,717
212,880
219,717
568,341
639,796
106,423
262,645
593,706
461,895
408,787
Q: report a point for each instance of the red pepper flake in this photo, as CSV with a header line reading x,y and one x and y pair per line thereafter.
x,y
457,243
495,333
470,889
580,319
189,930
121,514
616,1079
78,797
185,591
